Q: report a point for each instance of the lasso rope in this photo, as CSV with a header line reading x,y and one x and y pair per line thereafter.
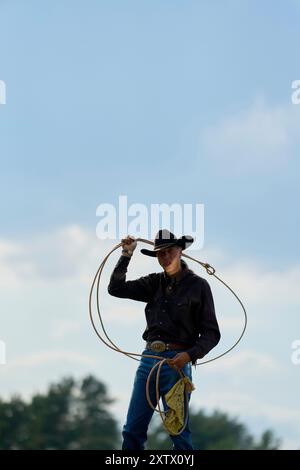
x,y
161,360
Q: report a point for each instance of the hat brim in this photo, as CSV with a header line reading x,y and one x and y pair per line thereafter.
x,y
183,242
156,250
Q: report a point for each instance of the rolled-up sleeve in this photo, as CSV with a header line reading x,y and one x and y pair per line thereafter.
x,y
140,289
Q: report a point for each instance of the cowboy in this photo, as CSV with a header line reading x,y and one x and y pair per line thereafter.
x,y
181,326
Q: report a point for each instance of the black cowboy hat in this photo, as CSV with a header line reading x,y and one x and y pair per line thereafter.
x,y
165,239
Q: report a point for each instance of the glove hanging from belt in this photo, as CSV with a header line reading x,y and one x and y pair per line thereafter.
x,y
174,419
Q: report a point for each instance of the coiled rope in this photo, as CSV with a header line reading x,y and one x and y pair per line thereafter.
x,y
161,360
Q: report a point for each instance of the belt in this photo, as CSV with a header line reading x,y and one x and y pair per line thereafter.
x,y
161,346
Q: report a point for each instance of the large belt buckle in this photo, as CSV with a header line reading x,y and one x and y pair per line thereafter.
x,y
158,346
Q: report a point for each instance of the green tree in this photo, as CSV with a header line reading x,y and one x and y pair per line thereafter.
x,y
75,415
215,432
96,427
13,418
70,415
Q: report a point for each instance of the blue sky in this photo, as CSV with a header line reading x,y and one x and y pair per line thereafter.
x,y
162,101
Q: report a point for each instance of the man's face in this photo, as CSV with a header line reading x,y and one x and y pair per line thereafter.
x,y
169,258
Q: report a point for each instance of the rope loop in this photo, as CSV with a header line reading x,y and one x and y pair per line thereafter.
x,y
110,344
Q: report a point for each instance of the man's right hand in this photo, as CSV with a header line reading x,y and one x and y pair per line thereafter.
x,y
128,245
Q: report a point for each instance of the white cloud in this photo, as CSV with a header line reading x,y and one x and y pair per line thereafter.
x,y
244,404
256,140
63,328
247,362
8,248
67,254
51,305
71,255
255,283
13,263
47,357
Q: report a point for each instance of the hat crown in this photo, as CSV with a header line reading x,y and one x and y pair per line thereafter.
x,y
164,237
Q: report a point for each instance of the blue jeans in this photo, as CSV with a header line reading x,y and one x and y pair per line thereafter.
x,y
140,412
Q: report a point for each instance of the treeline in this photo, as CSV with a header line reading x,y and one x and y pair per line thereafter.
x,y
75,415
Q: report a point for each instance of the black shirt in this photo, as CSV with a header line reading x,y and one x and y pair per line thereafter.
x,y
178,309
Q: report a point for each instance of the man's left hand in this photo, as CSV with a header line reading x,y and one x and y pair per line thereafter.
x,y
179,361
